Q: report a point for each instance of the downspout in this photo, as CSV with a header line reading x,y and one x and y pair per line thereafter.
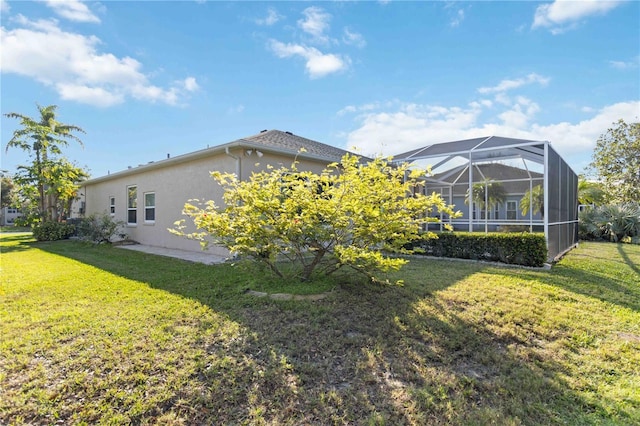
x,y
238,169
79,203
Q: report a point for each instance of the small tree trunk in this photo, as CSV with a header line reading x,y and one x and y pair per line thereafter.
x,y
308,268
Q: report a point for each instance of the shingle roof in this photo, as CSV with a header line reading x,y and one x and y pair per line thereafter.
x,y
288,142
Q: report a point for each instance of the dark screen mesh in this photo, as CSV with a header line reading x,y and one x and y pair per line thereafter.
x,y
563,205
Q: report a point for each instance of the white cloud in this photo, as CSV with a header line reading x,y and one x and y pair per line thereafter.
x,y
4,6
562,15
236,109
74,10
412,126
315,23
96,96
73,66
368,107
353,38
318,64
190,84
271,18
626,65
457,18
506,85
520,114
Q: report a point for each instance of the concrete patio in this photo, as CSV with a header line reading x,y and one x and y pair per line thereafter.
x,y
191,256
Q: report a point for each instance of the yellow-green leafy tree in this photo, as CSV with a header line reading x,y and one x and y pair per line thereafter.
x,y
352,214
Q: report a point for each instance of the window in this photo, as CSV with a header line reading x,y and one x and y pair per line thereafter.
x,y
512,210
150,207
496,211
112,206
132,205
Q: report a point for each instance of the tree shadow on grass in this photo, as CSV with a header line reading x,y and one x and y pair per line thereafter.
x,y
365,355
15,241
633,265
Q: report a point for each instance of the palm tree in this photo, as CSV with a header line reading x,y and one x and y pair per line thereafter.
x,y
533,200
42,138
487,193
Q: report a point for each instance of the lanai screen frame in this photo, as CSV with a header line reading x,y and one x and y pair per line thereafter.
x,y
560,217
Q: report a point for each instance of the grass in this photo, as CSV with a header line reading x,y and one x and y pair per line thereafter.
x,y
96,334
15,229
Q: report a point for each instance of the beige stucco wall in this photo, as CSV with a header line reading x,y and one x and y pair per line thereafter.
x,y
174,185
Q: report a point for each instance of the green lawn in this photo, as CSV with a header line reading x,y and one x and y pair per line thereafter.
x,y
96,334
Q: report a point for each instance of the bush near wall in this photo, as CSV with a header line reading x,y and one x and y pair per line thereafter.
x,y
512,248
52,231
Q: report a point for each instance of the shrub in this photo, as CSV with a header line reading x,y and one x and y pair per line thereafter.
x,y
98,228
512,248
617,223
52,231
345,216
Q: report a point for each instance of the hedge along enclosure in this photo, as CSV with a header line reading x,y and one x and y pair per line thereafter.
x,y
520,249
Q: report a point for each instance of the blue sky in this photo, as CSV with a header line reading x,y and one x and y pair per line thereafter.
x,y
149,78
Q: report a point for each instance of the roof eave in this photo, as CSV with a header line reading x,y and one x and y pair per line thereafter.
x,y
239,143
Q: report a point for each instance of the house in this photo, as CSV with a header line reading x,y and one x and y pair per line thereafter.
x,y
149,198
8,216
459,166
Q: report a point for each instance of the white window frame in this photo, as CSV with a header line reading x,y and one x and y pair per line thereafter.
x,y
133,208
150,207
112,205
512,210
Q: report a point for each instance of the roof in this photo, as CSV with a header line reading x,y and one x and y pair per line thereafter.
x,y
274,141
515,180
287,142
485,148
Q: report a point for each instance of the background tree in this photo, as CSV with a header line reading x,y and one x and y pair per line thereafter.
x,y
62,179
590,192
533,201
348,215
7,187
616,161
486,195
43,139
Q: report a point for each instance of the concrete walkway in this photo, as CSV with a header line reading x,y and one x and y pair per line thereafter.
x,y
191,256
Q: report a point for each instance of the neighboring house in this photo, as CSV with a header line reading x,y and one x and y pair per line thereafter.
x,y
150,198
9,215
